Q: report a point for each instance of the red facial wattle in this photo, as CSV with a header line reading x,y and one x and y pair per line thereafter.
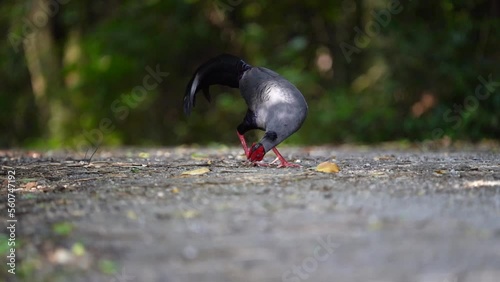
x,y
256,153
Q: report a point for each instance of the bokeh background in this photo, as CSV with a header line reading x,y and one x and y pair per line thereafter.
x,y
371,71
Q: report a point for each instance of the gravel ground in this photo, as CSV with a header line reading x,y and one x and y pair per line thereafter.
x,y
131,215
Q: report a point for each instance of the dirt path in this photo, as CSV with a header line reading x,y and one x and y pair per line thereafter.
x,y
131,215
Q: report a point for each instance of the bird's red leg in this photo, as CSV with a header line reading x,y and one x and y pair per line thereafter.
x,y
243,143
284,163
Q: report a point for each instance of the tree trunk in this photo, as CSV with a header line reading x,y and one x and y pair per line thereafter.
x,y
44,66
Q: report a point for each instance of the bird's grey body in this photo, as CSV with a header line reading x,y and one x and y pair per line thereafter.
x,y
277,105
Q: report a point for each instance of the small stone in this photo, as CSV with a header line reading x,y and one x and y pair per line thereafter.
x,y
62,256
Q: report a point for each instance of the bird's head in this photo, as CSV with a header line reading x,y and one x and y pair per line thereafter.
x,y
257,152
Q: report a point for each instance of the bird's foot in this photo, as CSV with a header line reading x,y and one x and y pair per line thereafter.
x,y
284,163
279,157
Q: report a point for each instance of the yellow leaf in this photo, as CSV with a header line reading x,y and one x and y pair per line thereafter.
x,y
440,171
328,167
190,214
30,185
196,171
175,190
131,215
144,155
78,249
198,156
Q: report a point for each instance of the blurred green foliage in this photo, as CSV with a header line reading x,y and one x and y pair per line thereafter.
x,y
371,71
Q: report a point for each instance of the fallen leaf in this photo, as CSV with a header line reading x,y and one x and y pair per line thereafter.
x,y
375,225
190,214
144,155
440,171
328,167
196,171
107,266
131,215
78,249
30,185
62,228
175,190
199,156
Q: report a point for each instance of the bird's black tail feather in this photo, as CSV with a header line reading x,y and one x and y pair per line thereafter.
x,y
224,69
